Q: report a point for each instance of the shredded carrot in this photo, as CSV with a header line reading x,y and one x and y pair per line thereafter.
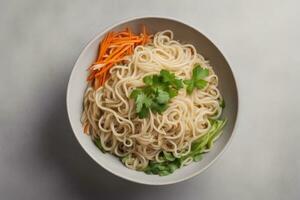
x,y
86,128
116,51
128,42
102,62
91,76
104,78
112,50
98,82
103,70
127,38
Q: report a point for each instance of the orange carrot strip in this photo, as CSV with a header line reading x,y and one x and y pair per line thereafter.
x,y
110,61
104,78
144,30
120,52
125,38
98,82
122,33
86,128
105,46
103,70
130,33
91,76
128,42
101,46
119,49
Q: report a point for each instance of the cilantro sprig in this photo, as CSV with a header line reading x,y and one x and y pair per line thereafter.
x,y
156,93
197,80
162,87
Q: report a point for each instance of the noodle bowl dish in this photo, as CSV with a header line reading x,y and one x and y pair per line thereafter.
x,y
152,100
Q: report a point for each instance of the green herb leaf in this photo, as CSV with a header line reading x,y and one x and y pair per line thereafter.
x,y
197,79
143,113
172,167
190,86
199,72
155,107
135,93
97,142
178,83
172,92
200,84
140,101
197,157
148,170
123,159
167,76
148,80
156,93
162,97
155,170
161,167
155,79
149,91
170,78
168,156
163,173
222,104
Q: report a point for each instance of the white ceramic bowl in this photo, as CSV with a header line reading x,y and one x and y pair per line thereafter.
x,y
185,33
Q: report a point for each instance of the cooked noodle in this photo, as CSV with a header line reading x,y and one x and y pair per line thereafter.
x,y
109,112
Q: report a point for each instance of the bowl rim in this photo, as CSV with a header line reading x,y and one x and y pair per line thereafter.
x,y
106,29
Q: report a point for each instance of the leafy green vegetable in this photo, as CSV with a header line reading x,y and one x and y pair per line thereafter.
x,y
162,96
135,93
217,132
172,92
205,142
189,85
148,170
173,167
168,156
142,100
197,80
199,73
97,142
148,80
163,168
156,107
170,78
124,159
166,76
164,173
142,104
199,147
222,104
144,112
197,157
156,93
200,84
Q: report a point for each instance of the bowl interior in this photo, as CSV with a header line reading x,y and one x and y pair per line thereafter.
x,y
183,33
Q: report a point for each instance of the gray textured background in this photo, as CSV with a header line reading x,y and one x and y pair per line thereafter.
x,y
39,43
